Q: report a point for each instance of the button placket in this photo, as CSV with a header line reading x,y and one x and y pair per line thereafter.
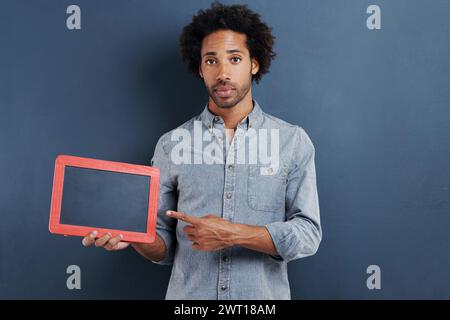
x,y
228,214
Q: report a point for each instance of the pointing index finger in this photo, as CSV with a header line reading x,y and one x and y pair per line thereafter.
x,y
182,216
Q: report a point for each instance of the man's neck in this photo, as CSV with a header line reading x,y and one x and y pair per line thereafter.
x,y
232,116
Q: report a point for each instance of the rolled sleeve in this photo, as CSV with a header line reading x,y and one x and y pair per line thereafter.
x,y
168,239
167,200
300,235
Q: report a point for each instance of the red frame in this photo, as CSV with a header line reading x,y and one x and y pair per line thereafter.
x,y
58,181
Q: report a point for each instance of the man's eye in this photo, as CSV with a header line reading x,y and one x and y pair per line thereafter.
x,y
236,59
209,61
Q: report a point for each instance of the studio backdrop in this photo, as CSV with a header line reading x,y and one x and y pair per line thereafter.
x,y
369,81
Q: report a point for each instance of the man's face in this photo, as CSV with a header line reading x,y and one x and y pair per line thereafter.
x,y
226,67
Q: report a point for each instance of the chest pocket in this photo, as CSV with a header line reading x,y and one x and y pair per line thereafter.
x,y
266,189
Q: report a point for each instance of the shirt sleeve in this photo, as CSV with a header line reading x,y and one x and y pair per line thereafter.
x,y
300,235
167,200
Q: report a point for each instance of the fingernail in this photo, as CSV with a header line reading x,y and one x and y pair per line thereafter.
x,y
169,213
94,233
120,236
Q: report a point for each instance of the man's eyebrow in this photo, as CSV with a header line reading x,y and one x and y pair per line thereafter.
x,y
234,50
213,53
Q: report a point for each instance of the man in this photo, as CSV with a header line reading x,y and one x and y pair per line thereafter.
x,y
230,225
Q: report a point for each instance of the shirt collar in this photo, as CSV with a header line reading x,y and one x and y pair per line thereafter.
x,y
252,120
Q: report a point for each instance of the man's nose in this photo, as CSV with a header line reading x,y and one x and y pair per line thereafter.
x,y
223,73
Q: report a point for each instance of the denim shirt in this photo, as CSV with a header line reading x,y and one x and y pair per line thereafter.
x,y
280,196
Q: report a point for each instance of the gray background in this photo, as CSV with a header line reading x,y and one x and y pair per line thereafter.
x,y
375,104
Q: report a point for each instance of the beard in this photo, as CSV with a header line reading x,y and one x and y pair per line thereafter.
x,y
238,93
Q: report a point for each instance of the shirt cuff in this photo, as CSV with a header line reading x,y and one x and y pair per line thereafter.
x,y
279,231
170,247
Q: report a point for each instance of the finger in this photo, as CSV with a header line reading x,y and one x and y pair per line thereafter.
x,y
189,230
196,246
182,216
103,240
113,242
89,239
121,245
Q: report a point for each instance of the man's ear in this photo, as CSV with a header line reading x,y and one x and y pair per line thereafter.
x,y
200,71
255,66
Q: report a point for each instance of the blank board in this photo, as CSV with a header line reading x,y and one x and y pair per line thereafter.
x,y
90,194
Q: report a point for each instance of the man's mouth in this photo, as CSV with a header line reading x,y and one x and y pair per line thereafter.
x,y
224,91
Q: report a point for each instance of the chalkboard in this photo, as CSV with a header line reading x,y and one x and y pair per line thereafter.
x,y
106,196
99,198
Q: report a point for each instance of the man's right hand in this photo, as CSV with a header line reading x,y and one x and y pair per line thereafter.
x,y
107,241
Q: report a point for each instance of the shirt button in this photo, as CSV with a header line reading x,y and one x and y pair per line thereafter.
x,y
228,195
217,119
230,166
223,288
225,259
